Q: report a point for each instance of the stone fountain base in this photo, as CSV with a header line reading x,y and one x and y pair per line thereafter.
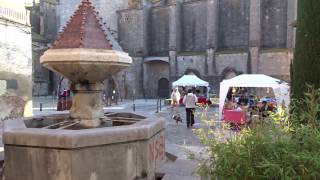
x,y
38,149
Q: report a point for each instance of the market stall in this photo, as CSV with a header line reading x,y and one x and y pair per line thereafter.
x,y
194,82
280,88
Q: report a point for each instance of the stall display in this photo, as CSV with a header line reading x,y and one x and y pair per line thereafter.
x,y
235,116
199,86
240,84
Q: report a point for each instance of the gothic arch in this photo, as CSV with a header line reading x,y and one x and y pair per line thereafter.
x,y
192,71
229,72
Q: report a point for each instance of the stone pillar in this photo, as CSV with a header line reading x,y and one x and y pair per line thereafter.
x,y
174,71
144,74
291,17
254,60
178,25
212,23
212,35
146,8
172,28
211,63
254,34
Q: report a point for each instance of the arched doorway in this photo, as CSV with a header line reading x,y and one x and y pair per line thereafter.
x,y
153,72
163,88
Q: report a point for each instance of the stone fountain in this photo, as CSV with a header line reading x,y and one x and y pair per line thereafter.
x,y
86,144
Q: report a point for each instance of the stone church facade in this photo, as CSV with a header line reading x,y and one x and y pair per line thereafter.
x,y
214,39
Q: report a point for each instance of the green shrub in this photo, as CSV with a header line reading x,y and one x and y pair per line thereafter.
x,y
278,148
307,110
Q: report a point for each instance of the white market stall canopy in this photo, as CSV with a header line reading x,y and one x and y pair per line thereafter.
x,y
190,80
280,88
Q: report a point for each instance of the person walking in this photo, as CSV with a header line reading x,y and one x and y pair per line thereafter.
x,y
175,97
190,101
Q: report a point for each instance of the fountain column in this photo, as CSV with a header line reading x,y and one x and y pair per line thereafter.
x,y
87,104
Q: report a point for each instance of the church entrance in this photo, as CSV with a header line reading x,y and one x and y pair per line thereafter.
x,y
163,88
155,78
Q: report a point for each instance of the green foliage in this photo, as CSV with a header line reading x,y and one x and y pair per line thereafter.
x,y
281,147
306,63
307,110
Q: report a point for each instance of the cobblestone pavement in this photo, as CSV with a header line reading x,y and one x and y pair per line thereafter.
x,y
181,142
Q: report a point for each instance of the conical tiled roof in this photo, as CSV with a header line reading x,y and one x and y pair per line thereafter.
x,y
83,30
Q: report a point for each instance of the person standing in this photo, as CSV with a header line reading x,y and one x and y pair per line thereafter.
x,y
265,109
175,99
190,101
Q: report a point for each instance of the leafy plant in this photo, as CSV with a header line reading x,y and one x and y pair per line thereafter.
x,y
307,110
281,147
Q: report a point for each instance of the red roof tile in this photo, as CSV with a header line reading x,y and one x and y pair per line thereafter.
x,y
83,30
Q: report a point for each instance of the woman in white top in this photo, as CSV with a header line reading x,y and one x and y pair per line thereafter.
x,y
175,97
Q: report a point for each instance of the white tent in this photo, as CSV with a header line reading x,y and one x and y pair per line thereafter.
x,y
280,88
190,80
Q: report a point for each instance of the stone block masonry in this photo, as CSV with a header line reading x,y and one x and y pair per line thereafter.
x,y
15,66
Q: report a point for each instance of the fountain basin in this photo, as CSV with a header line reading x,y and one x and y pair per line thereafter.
x,y
85,65
129,150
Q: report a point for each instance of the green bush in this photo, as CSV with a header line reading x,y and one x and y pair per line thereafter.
x,y
278,148
307,110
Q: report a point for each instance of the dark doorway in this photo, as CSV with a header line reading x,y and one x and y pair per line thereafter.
x,y
163,88
111,94
111,87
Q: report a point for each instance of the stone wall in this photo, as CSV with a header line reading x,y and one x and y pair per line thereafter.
x,y
200,22
131,31
273,23
41,76
281,60
15,65
107,10
234,23
160,18
236,61
194,26
51,20
225,62
15,56
44,20
130,80
195,64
